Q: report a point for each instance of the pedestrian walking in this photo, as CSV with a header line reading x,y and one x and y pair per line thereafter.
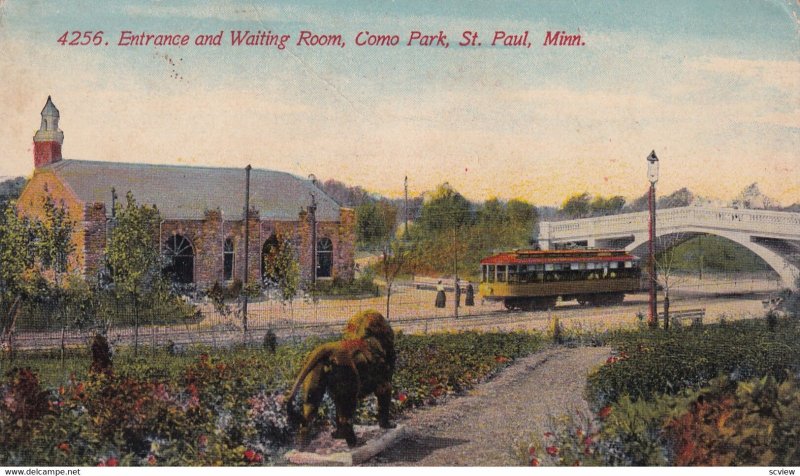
x,y
470,299
458,292
440,296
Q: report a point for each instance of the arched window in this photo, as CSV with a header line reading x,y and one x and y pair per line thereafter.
x,y
228,260
324,258
179,255
269,252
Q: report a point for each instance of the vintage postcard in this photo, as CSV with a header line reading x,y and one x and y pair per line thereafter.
x,y
406,233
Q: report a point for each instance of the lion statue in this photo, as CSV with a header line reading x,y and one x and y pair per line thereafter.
x,y
360,364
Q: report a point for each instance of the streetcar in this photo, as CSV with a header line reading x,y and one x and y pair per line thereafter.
x,y
533,280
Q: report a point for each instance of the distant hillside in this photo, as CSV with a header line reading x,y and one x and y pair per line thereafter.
x,y
10,188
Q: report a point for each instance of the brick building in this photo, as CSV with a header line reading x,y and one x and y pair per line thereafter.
x,y
202,208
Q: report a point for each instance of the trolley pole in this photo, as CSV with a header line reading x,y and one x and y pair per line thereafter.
x,y
246,245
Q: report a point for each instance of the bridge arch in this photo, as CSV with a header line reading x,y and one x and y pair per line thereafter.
x,y
668,238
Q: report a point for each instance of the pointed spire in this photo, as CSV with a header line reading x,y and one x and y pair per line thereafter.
x,y
48,139
50,109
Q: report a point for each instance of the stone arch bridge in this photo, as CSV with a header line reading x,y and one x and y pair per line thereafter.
x,y
773,236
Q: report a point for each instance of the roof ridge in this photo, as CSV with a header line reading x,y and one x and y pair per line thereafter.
x,y
177,166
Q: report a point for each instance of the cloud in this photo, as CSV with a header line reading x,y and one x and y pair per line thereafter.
x,y
784,75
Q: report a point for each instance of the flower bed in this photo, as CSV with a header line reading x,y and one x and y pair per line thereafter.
x,y
724,395
215,408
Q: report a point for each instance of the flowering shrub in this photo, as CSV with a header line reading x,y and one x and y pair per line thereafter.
x,y
753,423
268,416
216,408
571,441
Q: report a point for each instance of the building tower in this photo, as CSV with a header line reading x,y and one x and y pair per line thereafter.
x,y
48,139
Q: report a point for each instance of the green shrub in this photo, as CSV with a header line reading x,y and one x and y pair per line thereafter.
x,y
430,367
663,362
361,286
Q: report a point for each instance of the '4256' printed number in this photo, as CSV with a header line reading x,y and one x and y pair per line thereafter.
x,y
81,38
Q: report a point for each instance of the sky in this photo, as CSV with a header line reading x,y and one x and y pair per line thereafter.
x,y
712,86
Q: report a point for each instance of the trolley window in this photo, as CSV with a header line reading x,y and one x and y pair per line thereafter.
x,y
490,276
501,273
513,274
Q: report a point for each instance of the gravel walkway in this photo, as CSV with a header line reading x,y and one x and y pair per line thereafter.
x,y
484,427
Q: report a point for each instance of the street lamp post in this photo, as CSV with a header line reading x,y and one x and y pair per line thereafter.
x,y
652,176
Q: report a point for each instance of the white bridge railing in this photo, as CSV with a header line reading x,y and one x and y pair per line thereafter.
x,y
758,222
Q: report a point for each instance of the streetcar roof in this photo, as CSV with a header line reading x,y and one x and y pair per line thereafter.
x,y
557,256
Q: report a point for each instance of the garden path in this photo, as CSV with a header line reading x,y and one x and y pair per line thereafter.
x,y
486,426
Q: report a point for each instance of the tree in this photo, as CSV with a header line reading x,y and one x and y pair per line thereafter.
x,y
395,257
577,205
53,248
344,194
375,223
30,252
679,198
601,206
282,272
522,217
639,204
282,269
446,209
10,190
668,269
751,197
132,255
16,238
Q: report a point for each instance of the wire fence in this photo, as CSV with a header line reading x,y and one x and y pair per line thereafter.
x,y
409,301
411,309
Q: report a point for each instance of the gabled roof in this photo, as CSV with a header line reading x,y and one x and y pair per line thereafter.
x,y
184,192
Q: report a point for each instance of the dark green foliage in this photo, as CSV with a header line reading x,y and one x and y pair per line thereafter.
x,y
429,367
270,342
375,223
101,355
662,362
337,287
282,270
10,189
577,205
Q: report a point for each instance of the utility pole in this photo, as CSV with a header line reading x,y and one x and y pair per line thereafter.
x,y
246,244
405,233
312,217
652,176
456,290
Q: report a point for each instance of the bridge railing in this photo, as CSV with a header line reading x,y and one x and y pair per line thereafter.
x,y
764,222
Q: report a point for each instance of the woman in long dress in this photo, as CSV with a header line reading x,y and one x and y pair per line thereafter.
x,y
440,297
470,299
